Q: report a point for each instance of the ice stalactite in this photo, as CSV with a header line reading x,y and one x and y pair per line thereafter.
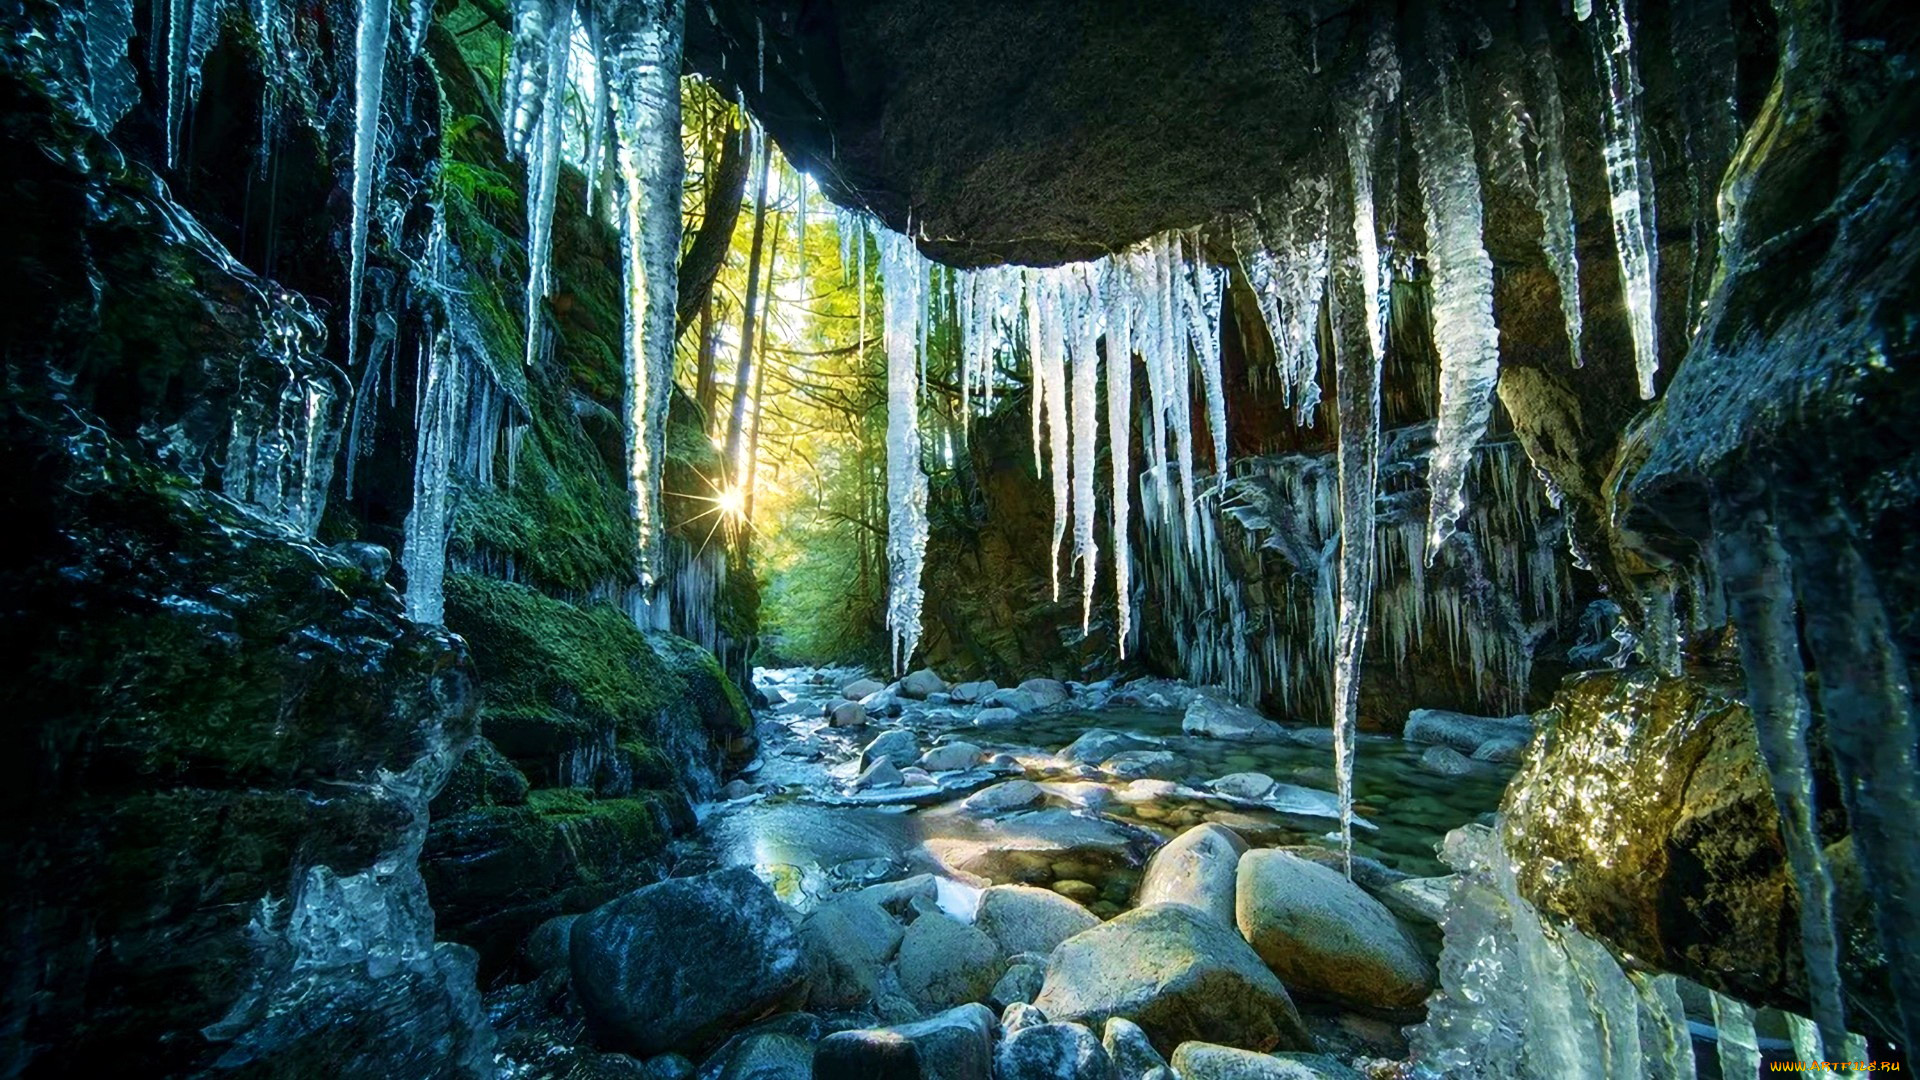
x,y
111,90
644,46
1703,45
1176,376
423,554
1119,315
1630,187
1553,191
1081,288
593,161
543,170
1362,125
525,84
1869,723
1283,249
369,83
1141,268
904,279
1047,343
1357,357
1463,328
1200,294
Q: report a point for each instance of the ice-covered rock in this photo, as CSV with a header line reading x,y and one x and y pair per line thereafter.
x,y
1324,935
678,964
1197,868
1418,899
950,756
1178,974
1244,785
881,774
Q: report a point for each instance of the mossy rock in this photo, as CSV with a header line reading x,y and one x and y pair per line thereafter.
x,y
484,777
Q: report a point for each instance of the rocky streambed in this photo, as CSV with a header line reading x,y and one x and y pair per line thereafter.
x,y
1049,880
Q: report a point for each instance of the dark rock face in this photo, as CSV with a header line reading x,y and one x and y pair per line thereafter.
x,y
679,964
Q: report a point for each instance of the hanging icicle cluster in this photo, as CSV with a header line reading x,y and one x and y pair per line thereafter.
x,y
904,274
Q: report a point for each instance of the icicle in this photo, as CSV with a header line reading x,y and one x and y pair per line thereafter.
x,y
1141,272
1119,445
1464,332
1553,192
1200,292
904,289
370,70
593,162
111,89
1284,251
1630,189
1357,361
1047,342
1382,86
179,45
420,18
526,83
543,173
1702,43
1739,1050
644,48
424,552
1081,301
1177,376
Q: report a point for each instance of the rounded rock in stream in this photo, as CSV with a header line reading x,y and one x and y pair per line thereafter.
x,y
1324,936
898,746
1048,692
1010,795
921,685
678,964
846,714
973,693
944,962
1023,919
1218,719
1197,868
1205,1061
860,688
1053,1051
1178,974
953,1045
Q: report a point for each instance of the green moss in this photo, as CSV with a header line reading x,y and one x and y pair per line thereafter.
x,y
713,697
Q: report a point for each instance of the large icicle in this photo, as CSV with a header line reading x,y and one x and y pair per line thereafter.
x,y
1200,289
1463,328
644,47
1630,188
1046,338
1119,443
904,283
1082,303
543,170
369,81
592,162
1176,377
1553,192
526,81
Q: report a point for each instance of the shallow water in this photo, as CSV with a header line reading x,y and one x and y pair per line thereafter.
x,y
800,832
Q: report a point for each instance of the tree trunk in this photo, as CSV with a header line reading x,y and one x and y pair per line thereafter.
x,y
708,253
743,371
703,384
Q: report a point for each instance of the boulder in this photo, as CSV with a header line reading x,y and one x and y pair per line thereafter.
x,y
860,688
1177,973
1132,1052
1002,797
973,693
1463,732
1501,751
1312,736
1053,1051
1205,1061
1098,744
1217,718
769,1055
1020,984
1144,764
919,685
678,964
1023,919
1446,761
1046,692
996,717
547,947
944,962
1324,936
1244,785
848,942
954,1045
898,746
1420,900
915,776
1020,1015
847,714
948,757
880,774
1086,794
1018,700
1196,868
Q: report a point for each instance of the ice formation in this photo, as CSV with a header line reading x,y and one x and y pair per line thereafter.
x,y
111,89
1283,249
1200,287
1082,301
542,151
369,81
1553,192
1047,345
904,276
1630,187
1463,328
1119,309
643,50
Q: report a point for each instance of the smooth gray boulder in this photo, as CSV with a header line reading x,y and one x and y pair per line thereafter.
x,y
1144,764
1324,936
1133,1055
1217,718
1501,751
769,1055
847,714
943,962
1023,919
1177,973
996,717
1205,1061
547,947
898,746
848,942
953,1045
948,757
1370,874
1197,868
1463,732
1048,692
860,688
880,774
973,693
1244,785
1446,761
920,685
1018,700
1098,744
679,964
1053,1051
1020,984
1002,797
1019,1015
1421,900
